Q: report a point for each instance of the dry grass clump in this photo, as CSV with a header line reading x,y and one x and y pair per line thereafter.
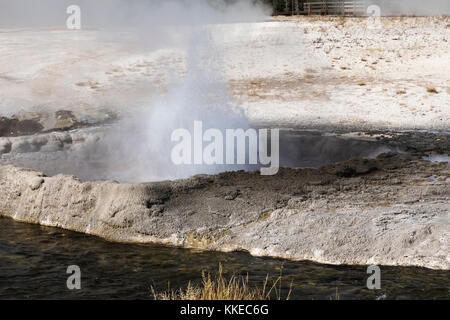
x,y
219,288
431,90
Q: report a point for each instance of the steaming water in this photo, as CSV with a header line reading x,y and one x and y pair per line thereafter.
x,y
87,161
34,259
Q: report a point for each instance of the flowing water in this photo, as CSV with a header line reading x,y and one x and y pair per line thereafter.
x,y
34,260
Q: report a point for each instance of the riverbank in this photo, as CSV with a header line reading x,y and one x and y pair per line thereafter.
x,y
392,210
34,261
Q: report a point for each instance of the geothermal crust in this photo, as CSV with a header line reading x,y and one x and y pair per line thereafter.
x,y
392,210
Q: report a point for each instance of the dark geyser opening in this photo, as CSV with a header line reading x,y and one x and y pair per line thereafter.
x,y
83,153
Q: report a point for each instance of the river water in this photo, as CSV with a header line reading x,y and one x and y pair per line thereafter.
x,y
34,261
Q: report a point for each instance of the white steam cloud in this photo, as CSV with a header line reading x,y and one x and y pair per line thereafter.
x,y
129,13
137,148
140,148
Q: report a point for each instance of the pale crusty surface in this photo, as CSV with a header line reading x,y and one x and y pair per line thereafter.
x,y
393,210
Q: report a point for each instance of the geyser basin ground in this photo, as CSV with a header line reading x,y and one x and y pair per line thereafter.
x,y
310,72
322,74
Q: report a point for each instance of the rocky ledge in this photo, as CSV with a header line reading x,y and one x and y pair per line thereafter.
x,y
392,210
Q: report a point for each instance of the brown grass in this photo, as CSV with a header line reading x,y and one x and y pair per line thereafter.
x,y
218,287
431,90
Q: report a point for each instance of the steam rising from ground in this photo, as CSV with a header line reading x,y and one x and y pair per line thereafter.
x,y
129,14
138,148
